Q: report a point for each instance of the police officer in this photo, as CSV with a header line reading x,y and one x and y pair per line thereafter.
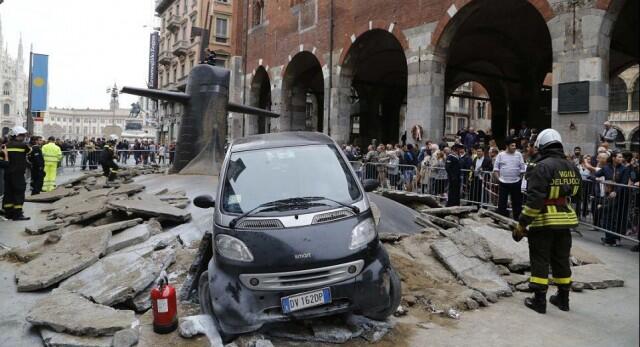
x,y
452,166
37,165
548,217
14,181
107,157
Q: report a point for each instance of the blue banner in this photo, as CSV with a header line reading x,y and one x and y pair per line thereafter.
x,y
39,82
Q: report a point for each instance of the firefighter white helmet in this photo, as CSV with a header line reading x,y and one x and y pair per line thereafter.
x,y
547,137
15,131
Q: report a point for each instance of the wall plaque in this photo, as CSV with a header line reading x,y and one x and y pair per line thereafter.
x,y
573,97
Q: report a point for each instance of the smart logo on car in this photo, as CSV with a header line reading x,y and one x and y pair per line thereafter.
x,y
302,256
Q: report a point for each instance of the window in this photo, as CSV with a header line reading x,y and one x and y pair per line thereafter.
x,y
481,109
462,122
6,109
448,125
175,74
258,12
461,104
191,63
77,130
6,89
222,33
182,74
221,59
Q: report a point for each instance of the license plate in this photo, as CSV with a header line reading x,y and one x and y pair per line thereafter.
x,y
305,300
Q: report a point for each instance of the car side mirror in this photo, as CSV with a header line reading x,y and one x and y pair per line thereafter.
x,y
370,185
204,201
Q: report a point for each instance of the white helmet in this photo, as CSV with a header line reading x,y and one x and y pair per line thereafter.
x,y
113,137
547,137
18,130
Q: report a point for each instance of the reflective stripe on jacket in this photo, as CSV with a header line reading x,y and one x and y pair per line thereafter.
x,y
51,153
552,178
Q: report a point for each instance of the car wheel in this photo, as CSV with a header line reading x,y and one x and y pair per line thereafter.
x,y
395,293
204,295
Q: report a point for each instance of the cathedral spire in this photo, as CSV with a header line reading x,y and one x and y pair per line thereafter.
x,y
20,59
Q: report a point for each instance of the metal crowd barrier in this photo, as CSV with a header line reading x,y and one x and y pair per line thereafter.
x,y
604,206
83,159
390,176
609,207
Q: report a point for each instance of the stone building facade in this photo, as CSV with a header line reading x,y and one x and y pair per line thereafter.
x,y
394,63
180,48
623,107
75,124
13,84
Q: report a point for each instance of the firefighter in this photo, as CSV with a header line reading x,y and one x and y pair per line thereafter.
x,y
107,157
52,155
548,217
14,181
37,165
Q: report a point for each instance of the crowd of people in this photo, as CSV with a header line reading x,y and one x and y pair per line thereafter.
x,y
88,151
474,168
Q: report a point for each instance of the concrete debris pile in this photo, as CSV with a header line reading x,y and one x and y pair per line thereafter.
x,y
102,245
465,258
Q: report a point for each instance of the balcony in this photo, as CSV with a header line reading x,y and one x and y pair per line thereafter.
x,y
165,58
181,47
173,23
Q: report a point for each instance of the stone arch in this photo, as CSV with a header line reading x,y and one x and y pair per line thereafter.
x,y
372,89
511,61
302,105
375,24
259,96
634,139
463,8
618,33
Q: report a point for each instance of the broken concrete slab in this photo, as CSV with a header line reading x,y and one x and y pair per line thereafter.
x,y
163,258
151,206
409,198
200,325
445,211
514,279
470,244
51,196
515,255
439,221
74,252
55,339
113,279
41,228
596,276
128,237
474,273
580,256
82,196
126,338
63,311
79,208
128,189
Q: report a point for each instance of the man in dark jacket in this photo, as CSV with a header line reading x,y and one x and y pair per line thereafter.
x,y
470,139
37,165
452,166
548,216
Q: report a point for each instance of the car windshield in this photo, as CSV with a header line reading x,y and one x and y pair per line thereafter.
x,y
261,176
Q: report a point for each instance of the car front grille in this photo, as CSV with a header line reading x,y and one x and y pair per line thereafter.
x,y
260,224
304,278
331,216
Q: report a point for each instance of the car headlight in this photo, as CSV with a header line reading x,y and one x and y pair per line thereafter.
x,y
232,248
362,234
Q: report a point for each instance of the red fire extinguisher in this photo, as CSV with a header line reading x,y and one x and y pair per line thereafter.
x,y
165,311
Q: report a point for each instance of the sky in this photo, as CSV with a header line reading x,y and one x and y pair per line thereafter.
x,y
91,44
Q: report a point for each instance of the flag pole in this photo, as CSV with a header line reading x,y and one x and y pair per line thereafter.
x,y
30,124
